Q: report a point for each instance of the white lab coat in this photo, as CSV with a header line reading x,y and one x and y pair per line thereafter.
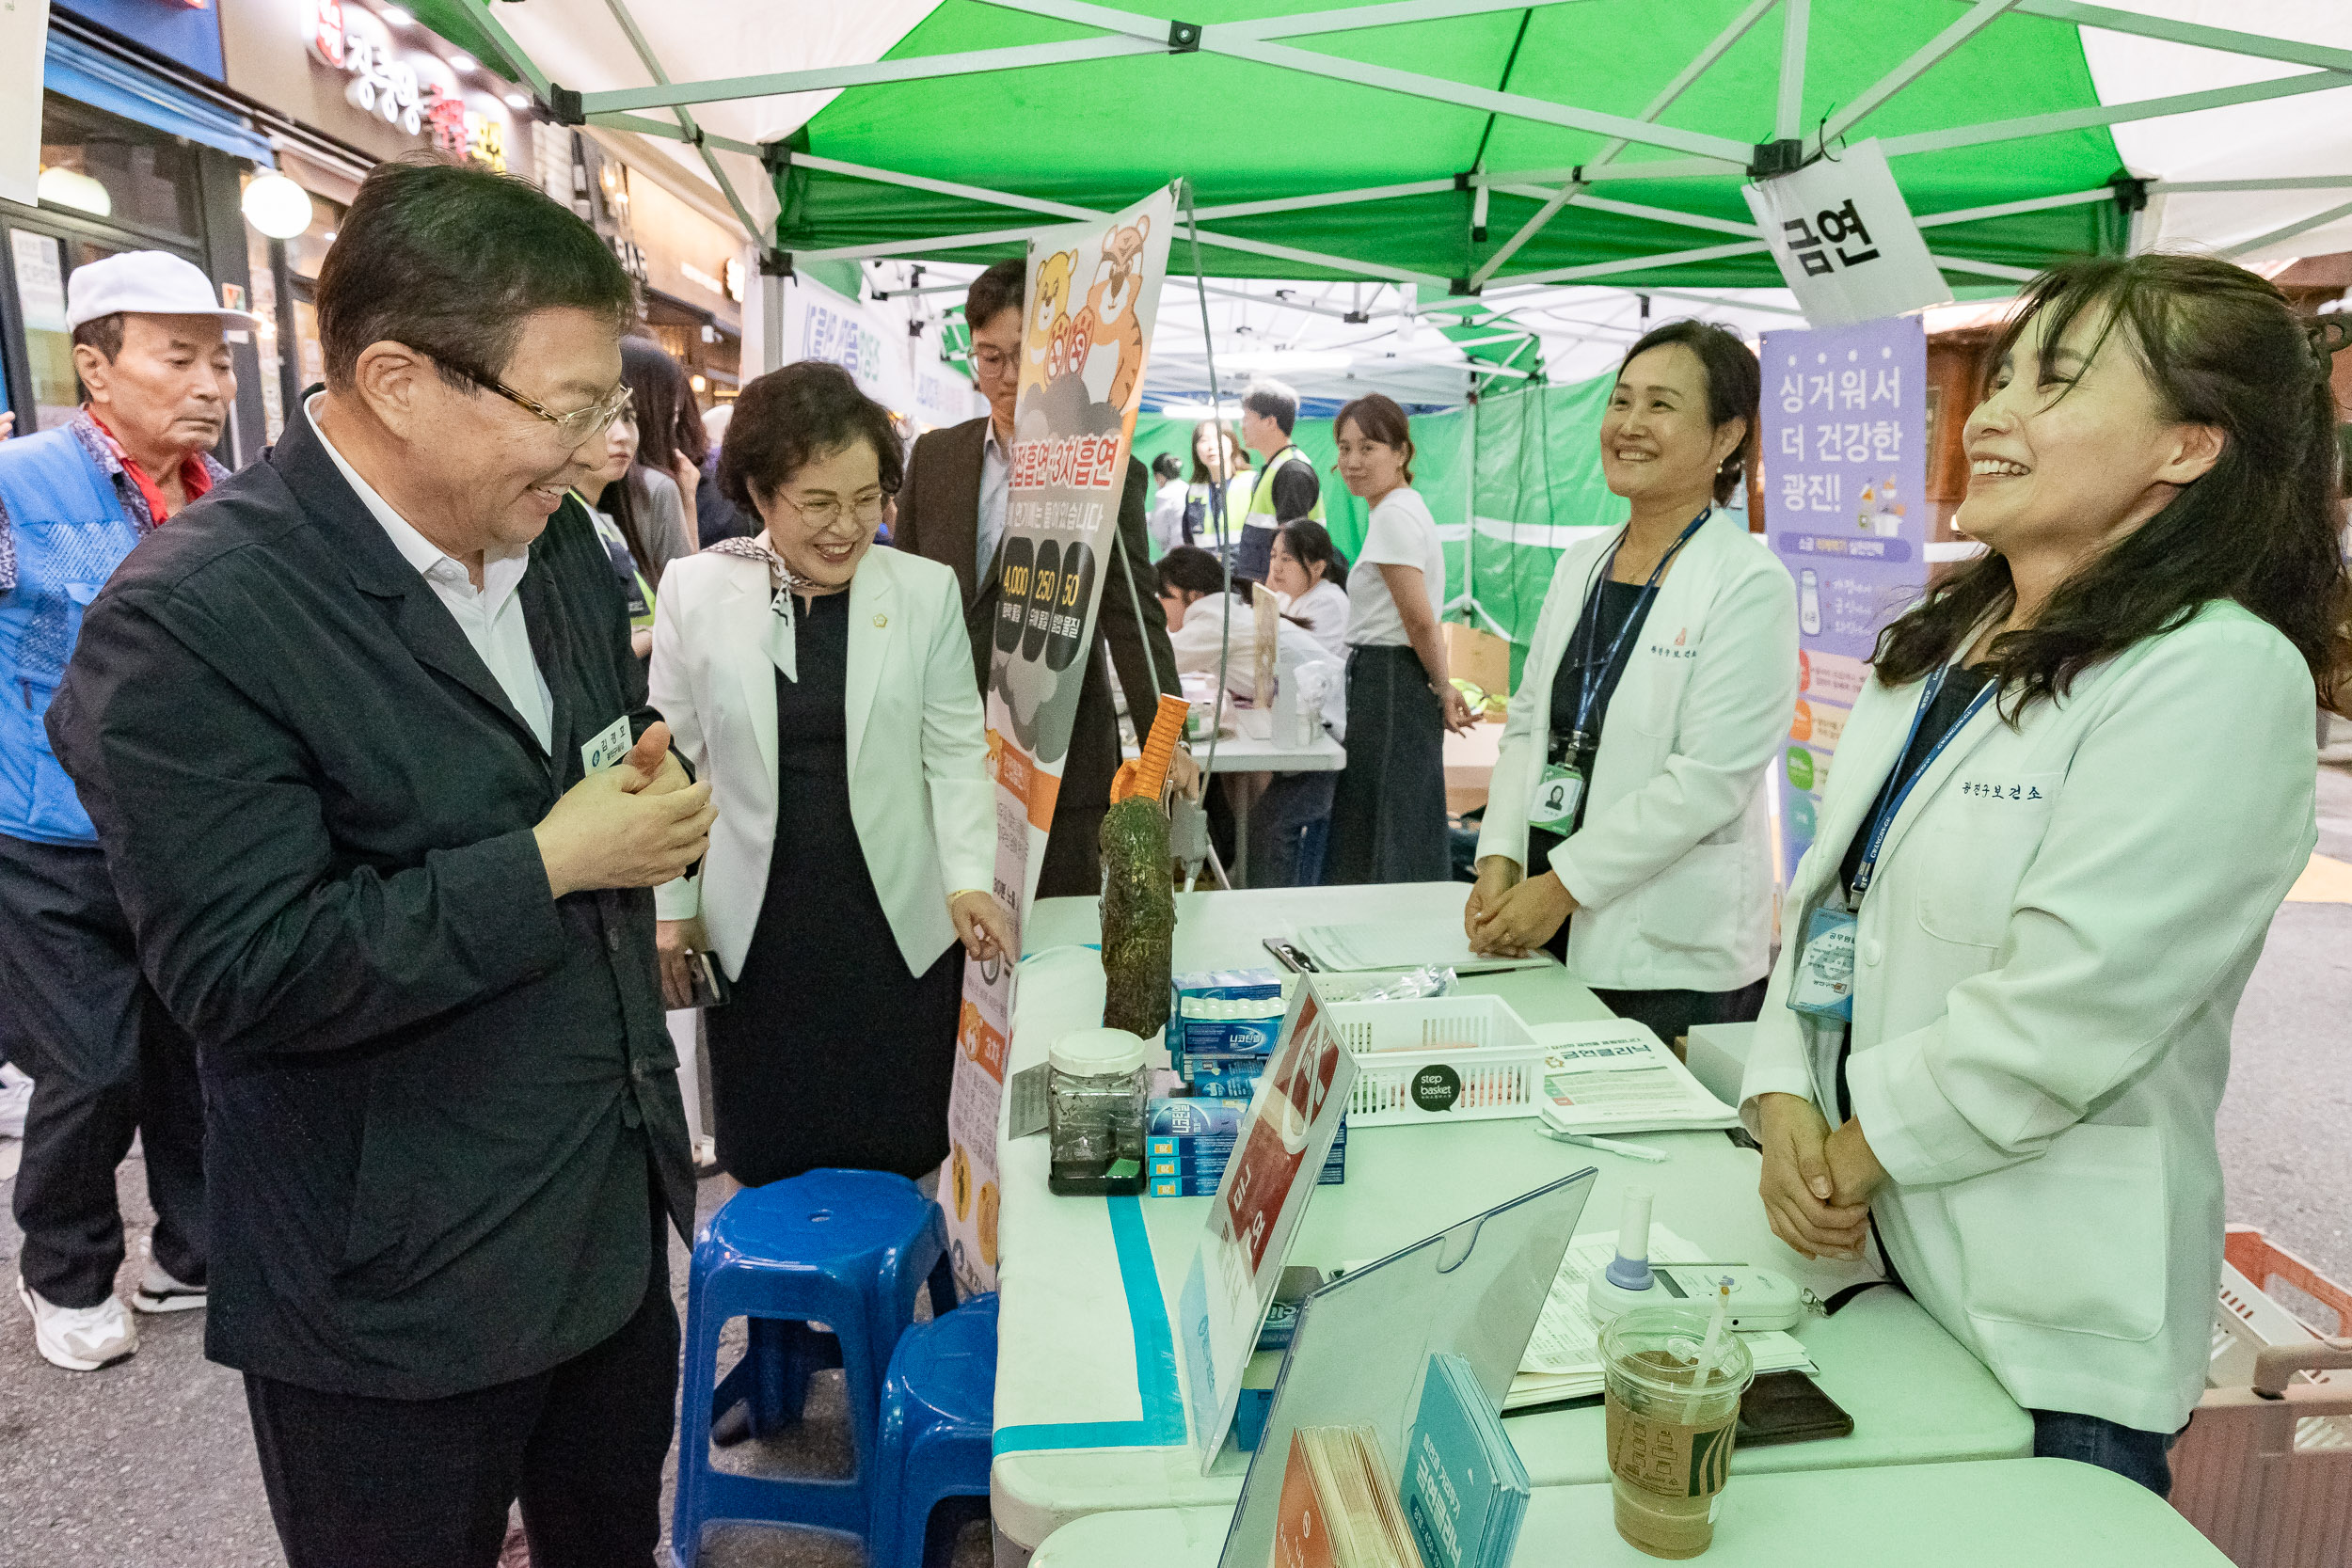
x,y
2064,916
919,790
1672,870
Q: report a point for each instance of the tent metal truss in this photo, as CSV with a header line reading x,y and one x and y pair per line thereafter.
x,y
1276,41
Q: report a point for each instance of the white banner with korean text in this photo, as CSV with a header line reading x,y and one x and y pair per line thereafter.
x,y
1845,240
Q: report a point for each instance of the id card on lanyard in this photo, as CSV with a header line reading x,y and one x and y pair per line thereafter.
x,y
1823,985
1559,788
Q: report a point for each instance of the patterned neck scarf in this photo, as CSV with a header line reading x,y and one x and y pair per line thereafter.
x,y
780,576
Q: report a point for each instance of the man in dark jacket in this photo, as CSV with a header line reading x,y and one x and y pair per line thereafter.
x,y
952,509
374,773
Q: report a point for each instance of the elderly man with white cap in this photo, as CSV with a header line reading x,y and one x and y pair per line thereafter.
x,y
107,1061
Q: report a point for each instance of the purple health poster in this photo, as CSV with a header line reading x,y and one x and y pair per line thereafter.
x,y
1845,471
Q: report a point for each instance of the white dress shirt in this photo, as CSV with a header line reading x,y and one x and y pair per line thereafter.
x,y
491,616
995,491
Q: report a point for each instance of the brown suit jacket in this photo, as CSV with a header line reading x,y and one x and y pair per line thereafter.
x,y
939,510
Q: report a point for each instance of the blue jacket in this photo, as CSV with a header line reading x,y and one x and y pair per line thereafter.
x,y
69,532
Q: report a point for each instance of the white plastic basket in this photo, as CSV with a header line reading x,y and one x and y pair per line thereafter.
x,y
1448,1058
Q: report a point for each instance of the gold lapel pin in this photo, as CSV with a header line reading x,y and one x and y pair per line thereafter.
x,y
881,621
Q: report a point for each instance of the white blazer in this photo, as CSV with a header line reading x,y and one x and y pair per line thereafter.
x,y
1673,868
919,788
2045,968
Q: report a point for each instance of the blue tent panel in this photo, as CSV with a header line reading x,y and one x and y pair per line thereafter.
x,y
77,71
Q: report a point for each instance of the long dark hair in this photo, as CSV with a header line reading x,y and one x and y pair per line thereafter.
x,y
1734,383
1309,542
658,390
1236,455
2221,347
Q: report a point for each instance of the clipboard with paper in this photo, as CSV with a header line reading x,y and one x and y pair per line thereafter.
x,y
1362,1346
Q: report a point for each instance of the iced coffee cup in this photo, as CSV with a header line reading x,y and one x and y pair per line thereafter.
x,y
1671,1420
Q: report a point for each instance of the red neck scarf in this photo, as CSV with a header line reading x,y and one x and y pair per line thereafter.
x,y
195,478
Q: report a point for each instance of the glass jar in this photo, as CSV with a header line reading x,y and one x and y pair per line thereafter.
x,y
1096,1093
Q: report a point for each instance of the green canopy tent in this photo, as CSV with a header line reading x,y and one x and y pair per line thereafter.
x,y
1477,153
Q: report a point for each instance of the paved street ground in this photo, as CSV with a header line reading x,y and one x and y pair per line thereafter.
x,y
151,1463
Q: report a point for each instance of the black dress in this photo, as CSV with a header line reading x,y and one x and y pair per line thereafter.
x,y
829,1053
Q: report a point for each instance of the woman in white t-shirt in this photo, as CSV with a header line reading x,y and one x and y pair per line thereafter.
x,y
1387,813
1311,574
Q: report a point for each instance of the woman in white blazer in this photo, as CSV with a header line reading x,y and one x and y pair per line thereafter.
x,y
1626,826
823,688
2058,909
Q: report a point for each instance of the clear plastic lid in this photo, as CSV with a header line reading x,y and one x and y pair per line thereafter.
x,y
1097,1052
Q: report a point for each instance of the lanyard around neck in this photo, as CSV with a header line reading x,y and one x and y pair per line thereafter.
x,y
1898,787
1593,676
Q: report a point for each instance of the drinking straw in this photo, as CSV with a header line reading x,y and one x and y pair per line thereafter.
x,y
1709,1351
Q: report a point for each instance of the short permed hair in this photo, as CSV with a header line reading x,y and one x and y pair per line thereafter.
x,y
792,417
452,262
1273,400
1005,286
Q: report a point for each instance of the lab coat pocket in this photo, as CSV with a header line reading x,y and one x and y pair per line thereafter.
x,y
2075,1240
1973,849
1700,901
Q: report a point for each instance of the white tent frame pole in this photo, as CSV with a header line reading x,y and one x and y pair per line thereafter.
x,y
638,125
1637,264
1253,41
2227,41
2200,187
478,14
1737,29
2112,114
1985,269
2007,209
652,63
921,68
1789,114
1981,16
948,187
1663,169
2287,231
1329,199
1306,23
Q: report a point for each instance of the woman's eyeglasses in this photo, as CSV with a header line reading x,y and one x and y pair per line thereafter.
x,y
866,509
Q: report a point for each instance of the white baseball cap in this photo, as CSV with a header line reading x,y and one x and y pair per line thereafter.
x,y
146,282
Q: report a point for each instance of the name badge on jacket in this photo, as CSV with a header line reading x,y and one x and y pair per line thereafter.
x,y
610,745
1823,985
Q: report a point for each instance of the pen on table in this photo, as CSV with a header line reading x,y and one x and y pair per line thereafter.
x,y
1607,1146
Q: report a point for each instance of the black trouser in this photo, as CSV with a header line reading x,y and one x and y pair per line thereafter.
x,y
361,1483
1672,1013
106,1062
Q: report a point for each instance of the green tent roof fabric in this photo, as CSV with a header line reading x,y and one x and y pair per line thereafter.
x,y
1100,133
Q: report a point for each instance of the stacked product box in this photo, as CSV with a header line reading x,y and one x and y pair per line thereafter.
x,y
1186,1144
1222,1025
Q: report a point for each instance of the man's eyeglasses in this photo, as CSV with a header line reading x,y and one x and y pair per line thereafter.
x,y
575,429
995,361
824,514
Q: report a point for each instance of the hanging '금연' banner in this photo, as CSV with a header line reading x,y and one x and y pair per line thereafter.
x,y
1845,466
1845,240
1094,294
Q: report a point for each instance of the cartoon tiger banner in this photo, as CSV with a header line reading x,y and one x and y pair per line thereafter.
x,y
1093,294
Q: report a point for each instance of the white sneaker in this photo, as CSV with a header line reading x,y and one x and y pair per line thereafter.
x,y
16,1093
159,1292
80,1338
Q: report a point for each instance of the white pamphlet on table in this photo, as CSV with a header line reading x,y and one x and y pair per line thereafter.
x,y
1612,1075
1278,1157
1401,945
1563,1356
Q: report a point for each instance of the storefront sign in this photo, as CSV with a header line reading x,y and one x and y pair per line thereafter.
x,y
1845,240
23,44
1094,294
415,92
1845,469
822,325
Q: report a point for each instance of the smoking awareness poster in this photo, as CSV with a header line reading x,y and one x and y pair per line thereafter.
x,y
1845,468
1094,294
1278,1155
1845,240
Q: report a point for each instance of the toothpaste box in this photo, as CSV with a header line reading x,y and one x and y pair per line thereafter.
x,y
1193,1118
1224,984
1234,1026
1222,1074
1205,1185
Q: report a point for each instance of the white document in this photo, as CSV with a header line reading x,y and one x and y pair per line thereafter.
x,y
1615,1076
1401,945
1845,240
1563,1358
24,46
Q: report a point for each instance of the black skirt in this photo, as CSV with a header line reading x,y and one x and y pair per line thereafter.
x,y
829,1053
1388,812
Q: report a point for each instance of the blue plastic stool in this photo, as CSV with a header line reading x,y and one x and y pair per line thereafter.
x,y
848,1249
938,1411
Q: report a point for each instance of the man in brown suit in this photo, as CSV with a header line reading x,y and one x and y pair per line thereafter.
x,y
952,509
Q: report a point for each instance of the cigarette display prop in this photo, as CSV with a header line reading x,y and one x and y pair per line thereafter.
x,y
1138,898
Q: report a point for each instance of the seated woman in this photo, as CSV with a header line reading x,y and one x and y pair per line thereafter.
x,y
823,688
1311,574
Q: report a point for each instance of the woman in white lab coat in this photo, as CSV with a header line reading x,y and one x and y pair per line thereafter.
x,y
1626,826
2071,799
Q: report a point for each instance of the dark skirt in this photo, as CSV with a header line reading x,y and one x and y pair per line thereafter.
x,y
1388,812
829,1053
